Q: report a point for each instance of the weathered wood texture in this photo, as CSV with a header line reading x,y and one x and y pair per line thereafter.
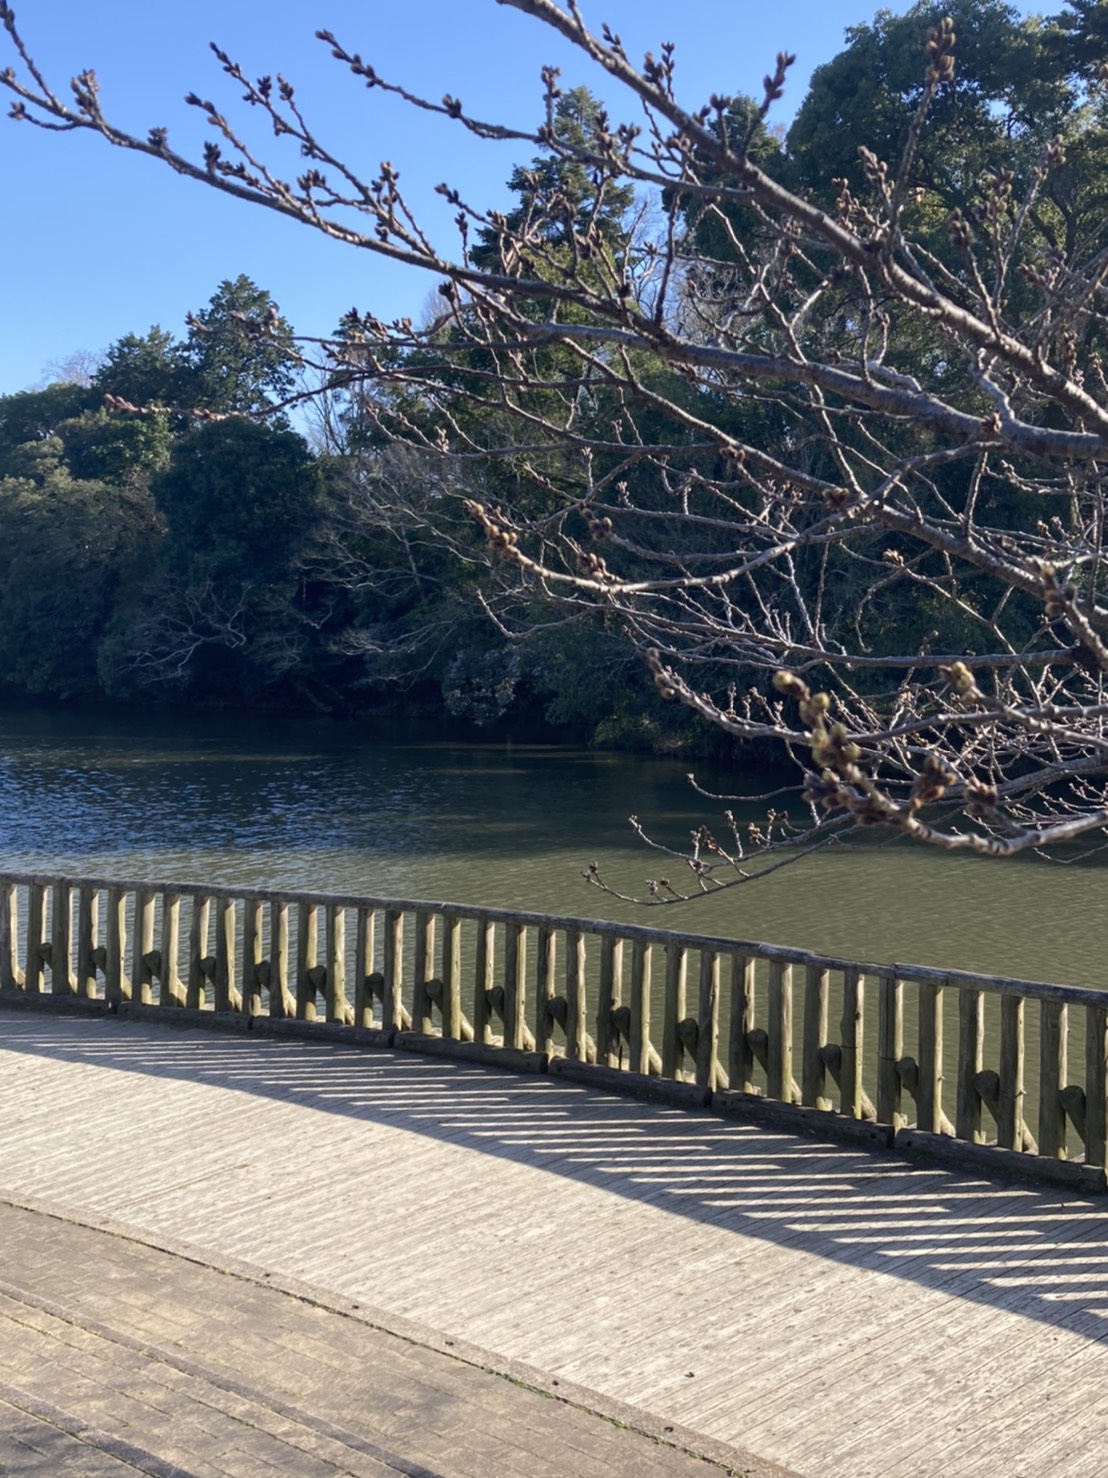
x,y
756,1019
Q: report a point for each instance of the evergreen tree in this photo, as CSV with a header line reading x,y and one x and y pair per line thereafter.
x,y
144,370
236,357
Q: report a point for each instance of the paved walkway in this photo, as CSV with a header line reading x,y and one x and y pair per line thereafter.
x,y
839,1313
119,1358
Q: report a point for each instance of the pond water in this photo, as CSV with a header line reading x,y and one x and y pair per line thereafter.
x,y
332,806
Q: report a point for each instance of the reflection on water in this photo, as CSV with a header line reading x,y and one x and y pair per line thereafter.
x,y
323,805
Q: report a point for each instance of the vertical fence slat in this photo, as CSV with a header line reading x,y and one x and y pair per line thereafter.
x,y
34,968
1096,1084
608,999
117,987
813,1073
1009,1126
779,1048
198,949
930,1105
281,1004
1053,1069
641,959
576,1002
546,965
62,980
423,954
11,976
88,937
253,949
853,1038
393,969
740,1056
170,990
307,945
226,997
9,971
890,1049
364,945
707,1039
675,1010
971,1046
336,1004
515,983
484,966
452,978
142,977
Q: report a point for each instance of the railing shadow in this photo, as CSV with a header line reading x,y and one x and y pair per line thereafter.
x,y
1042,1254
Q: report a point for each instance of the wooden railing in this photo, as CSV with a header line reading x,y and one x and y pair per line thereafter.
x,y
928,1059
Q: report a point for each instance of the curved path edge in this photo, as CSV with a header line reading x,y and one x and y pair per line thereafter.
x,y
594,1403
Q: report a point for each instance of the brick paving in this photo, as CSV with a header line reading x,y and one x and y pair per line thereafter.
x,y
119,1358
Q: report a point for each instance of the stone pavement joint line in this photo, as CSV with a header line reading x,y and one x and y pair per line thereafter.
x,y
40,1428
716,1284
206,1378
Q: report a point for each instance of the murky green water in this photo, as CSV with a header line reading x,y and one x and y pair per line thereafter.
x,y
322,805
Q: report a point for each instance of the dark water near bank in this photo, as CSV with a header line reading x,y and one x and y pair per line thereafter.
x,y
323,805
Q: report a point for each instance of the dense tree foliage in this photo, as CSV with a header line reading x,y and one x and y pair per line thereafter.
x,y
186,550
68,547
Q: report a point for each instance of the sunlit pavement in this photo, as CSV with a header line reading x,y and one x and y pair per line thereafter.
x,y
837,1312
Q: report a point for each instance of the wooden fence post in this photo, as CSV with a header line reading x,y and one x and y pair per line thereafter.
x,y
546,964
335,987
853,1037
813,1077
226,996
608,1000
1009,1126
515,983
484,967
88,937
675,1008
707,1040
1096,1084
452,978
393,962
740,1056
890,1049
1053,1069
364,946
930,1114
971,1041
117,986
641,957
307,946
171,991
63,982
281,1003
142,976
422,956
11,976
253,951
34,966
576,997
198,950
779,1047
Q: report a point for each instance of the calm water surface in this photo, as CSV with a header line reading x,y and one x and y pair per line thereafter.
x,y
324,805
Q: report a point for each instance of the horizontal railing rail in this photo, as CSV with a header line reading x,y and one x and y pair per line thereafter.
x,y
1021,1066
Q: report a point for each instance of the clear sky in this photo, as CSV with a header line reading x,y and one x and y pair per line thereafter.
x,y
97,243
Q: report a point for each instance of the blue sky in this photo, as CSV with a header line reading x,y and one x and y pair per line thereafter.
x,y
98,243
